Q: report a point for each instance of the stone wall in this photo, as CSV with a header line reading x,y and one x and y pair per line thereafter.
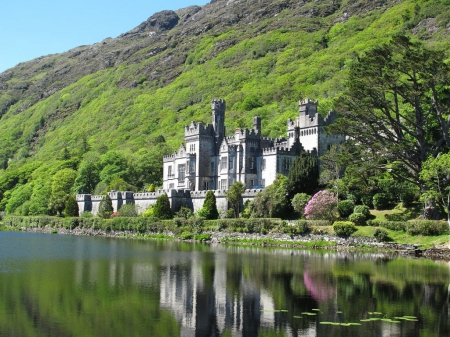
x,y
178,198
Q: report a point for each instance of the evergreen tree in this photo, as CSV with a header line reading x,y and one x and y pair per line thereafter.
x,y
234,195
71,207
209,209
162,208
303,176
105,209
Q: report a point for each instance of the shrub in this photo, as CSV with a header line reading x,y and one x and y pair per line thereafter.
x,y
362,209
426,227
105,209
358,219
345,208
209,209
184,212
367,200
186,235
302,227
380,234
71,208
299,202
322,206
380,201
392,225
162,208
344,228
128,210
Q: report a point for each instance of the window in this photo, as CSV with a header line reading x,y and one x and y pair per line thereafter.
x,y
181,172
263,165
286,164
213,169
251,163
263,182
252,149
171,186
169,171
192,166
224,163
192,148
252,182
230,164
223,184
206,185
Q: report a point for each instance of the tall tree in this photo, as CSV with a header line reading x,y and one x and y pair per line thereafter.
x,y
395,107
303,176
105,209
209,209
162,207
61,185
234,195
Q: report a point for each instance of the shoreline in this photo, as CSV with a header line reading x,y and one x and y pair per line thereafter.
x,y
306,241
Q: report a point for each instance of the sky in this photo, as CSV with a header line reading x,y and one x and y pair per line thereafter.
x,y
30,28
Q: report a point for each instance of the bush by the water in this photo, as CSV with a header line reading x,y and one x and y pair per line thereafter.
x,y
358,219
426,227
380,234
345,208
344,228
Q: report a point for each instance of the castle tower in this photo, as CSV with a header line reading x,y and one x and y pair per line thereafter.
x,y
218,119
308,108
257,125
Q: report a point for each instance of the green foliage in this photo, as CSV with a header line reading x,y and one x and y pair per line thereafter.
x,y
345,208
344,228
303,175
299,202
184,212
362,209
358,219
61,186
380,234
128,211
426,227
234,195
71,208
149,212
105,208
162,208
19,195
272,201
302,227
380,201
209,209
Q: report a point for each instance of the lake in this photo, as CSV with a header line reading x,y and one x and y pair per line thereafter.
x,y
57,285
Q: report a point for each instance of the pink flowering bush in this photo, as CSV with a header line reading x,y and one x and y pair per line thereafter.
x,y
322,206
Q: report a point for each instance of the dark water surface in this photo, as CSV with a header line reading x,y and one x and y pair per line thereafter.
x,y
55,285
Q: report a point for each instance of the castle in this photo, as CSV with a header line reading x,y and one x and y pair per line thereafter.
x,y
210,160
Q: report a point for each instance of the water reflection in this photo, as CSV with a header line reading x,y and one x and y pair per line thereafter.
x,y
71,286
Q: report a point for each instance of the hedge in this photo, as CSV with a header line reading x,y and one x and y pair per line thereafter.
x,y
414,227
344,228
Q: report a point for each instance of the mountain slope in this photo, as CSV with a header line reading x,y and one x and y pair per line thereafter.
x,y
260,56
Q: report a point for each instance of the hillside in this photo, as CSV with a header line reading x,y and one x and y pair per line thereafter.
x,y
122,103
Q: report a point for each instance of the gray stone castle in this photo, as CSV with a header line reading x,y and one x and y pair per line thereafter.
x,y
210,160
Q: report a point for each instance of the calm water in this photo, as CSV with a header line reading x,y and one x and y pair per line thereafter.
x,y
54,285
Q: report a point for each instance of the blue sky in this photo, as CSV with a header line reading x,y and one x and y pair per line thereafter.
x,y
30,28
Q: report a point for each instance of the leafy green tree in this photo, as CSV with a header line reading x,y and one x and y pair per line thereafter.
x,y
209,209
71,208
303,175
42,191
234,195
272,201
332,167
19,195
299,202
162,209
436,173
61,186
88,177
395,107
105,209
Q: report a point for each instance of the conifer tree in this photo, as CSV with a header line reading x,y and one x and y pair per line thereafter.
x,y
303,176
105,209
209,209
162,209
71,208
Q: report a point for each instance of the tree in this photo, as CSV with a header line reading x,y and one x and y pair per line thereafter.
x,y
19,195
61,186
71,208
332,165
162,209
209,209
234,195
395,107
436,173
87,178
303,175
272,201
105,209
299,202
322,206
128,210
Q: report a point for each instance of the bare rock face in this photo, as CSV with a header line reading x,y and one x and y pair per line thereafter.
x,y
158,22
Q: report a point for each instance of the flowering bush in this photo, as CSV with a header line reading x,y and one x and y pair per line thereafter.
x,y
322,206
